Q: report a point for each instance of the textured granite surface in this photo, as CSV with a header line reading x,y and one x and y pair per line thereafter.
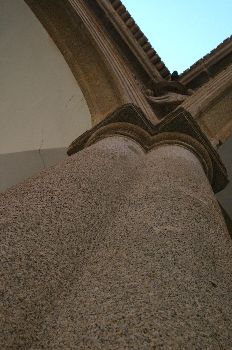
x,y
116,249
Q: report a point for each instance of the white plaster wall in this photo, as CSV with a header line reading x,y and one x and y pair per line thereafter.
x,y
41,104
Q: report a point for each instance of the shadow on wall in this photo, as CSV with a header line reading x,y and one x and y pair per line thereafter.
x,y
225,197
16,167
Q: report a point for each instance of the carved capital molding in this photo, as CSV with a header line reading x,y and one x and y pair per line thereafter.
x,y
149,142
177,128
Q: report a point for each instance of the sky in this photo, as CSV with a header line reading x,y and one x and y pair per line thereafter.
x,y
182,31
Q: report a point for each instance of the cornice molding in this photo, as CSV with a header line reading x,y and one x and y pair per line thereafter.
x,y
208,93
177,128
208,66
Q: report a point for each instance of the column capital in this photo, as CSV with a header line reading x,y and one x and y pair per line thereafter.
x,y
177,128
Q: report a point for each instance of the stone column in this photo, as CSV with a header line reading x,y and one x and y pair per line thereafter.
x,y
161,277
122,246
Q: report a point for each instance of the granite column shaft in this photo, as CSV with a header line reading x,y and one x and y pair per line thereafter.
x,y
117,248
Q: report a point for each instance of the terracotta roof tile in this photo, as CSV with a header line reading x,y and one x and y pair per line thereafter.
x,y
140,37
209,55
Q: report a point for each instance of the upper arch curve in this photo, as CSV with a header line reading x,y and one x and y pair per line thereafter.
x,y
81,54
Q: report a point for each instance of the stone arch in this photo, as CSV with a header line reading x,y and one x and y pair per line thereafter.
x,y
97,81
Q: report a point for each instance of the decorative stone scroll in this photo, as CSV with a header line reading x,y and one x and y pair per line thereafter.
x,y
166,96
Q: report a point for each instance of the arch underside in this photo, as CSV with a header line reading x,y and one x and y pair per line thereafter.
x,y
83,57
102,71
